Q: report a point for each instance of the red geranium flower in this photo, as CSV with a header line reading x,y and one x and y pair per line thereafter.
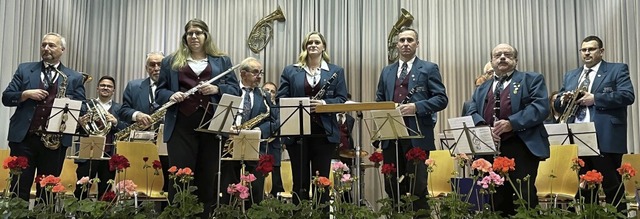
x,y
108,196
503,165
592,178
376,157
388,169
15,164
156,165
323,182
118,162
576,163
626,171
416,155
265,165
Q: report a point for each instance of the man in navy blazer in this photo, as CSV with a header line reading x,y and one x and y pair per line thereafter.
x,y
251,72
519,128
429,96
138,99
609,93
32,90
100,168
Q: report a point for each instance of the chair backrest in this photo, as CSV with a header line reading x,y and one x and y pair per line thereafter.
x,y
286,175
555,176
144,178
439,181
632,184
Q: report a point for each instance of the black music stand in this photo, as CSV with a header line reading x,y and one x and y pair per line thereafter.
x,y
585,133
389,125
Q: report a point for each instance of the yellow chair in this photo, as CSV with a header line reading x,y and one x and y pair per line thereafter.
x,y
143,178
4,173
556,180
287,180
439,181
631,185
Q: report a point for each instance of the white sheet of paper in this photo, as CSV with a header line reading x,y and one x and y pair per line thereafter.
x,y
458,122
389,124
290,117
162,147
481,141
585,138
557,133
91,147
222,119
57,112
246,146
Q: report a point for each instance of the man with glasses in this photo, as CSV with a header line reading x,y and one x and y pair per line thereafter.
x,y
608,94
32,90
100,168
255,102
515,104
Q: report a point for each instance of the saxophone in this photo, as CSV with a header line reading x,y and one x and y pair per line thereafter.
x,y
160,112
262,31
249,124
572,104
52,141
405,19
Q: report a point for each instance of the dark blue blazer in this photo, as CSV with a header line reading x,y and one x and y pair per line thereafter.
x,y
429,98
27,76
613,93
135,98
168,85
267,126
529,109
292,83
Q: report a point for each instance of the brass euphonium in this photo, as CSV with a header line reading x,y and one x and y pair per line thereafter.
x,y
571,106
96,123
404,20
262,31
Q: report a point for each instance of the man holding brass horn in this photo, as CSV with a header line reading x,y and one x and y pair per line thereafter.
x,y
196,61
607,93
32,90
102,113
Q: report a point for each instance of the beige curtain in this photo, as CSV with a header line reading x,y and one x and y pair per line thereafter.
x,y
112,37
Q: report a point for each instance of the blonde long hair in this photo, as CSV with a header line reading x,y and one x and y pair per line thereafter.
x,y
183,52
302,59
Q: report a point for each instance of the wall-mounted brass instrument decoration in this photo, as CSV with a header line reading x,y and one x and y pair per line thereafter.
x,y
262,31
404,20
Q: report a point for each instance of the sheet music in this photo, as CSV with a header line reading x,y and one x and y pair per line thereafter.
x,y
220,123
389,124
585,138
290,118
481,141
458,122
557,133
57,110
246,146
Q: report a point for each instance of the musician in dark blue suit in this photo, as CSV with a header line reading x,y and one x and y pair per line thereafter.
x,y
257,113
197,60
32,90
428,97
609,92
523,107
100,168
305,79
275,147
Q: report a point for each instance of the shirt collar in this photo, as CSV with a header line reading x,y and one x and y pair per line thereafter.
x,y
594,68
410,62
323,66
107,103
46,64
194,60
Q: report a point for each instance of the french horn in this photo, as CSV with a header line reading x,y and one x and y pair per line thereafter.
x,y
262,31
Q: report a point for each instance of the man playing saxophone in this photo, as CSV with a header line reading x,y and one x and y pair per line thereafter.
x,y
91,168
32,90
258,113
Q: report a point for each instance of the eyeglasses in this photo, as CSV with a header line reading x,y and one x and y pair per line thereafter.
x,y
591,50
255,72
506,54
194,33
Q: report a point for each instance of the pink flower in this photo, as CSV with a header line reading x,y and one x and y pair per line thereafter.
x,y
58,188
346,177
231,189
241,188
244,195
126,186
339,166
481,165
248,178
84,180
429,162
496,178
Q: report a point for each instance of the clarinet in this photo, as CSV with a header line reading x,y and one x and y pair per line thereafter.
x,y
324,88
496,114
409,95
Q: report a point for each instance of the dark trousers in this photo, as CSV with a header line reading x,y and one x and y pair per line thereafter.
x,y
164,161
231,175
198,151
91,169
276,181
42,159
607,165
405,168
526,165
314,155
